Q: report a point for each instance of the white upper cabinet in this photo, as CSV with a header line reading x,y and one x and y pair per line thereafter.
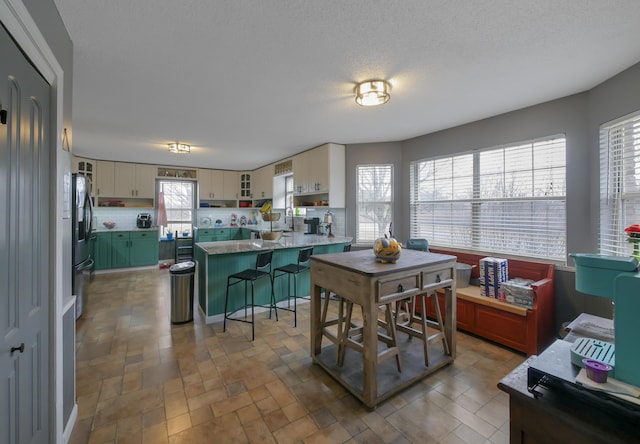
x,y
263,182
105,179
231,185
134,180
211,184
320,173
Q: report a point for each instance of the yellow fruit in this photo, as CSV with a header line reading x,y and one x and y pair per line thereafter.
x,y
266,207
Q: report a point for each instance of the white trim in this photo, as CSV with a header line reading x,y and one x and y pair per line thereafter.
x,y
19,23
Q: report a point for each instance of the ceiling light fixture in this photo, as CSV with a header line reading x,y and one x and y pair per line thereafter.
x,y
179,148
372,93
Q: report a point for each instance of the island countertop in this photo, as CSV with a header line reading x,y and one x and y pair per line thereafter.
x,y
293,240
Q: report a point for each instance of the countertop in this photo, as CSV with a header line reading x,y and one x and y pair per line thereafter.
x,y
294,240
252,227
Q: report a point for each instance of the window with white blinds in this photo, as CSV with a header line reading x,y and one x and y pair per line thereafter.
x,y
619,183
374,202
508,199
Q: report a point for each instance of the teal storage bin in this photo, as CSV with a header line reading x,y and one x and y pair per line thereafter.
x,y
596,273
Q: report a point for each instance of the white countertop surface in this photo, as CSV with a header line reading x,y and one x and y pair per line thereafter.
x,y
294,240
102,229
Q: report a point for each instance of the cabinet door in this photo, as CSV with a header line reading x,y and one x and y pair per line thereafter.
x,y
146,180
246,185
263,183
143,248
231,184
319,173
105,179
300,172
120,249
125,179
210,184
102,254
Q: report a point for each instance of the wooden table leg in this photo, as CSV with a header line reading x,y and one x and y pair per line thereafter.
x,y
450,319
370,353
316,324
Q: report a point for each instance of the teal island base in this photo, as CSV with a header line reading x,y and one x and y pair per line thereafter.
x,y
217,260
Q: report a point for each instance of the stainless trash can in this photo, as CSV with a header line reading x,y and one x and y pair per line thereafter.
x,y
182,277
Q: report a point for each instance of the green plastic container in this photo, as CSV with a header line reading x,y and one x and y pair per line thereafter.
x,y
596,273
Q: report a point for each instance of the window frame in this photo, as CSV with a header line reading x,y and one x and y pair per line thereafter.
x,y
369,239
458,220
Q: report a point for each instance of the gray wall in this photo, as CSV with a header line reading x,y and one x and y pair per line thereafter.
x,y
578,117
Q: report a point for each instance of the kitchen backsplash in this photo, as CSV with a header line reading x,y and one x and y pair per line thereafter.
x,y
125,218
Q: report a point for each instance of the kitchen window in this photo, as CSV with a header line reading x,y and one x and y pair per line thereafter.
x,y
619,183
374,202
179,200
506,200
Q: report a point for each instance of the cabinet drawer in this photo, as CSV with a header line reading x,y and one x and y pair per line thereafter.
x,y
120,235
143,235
397,287
432,278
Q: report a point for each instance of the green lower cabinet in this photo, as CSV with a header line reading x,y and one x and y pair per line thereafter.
x,y
102,252
122,249
143,249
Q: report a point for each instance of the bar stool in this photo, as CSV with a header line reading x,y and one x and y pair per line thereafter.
x,y
352,336
303,264
262,270
407,309
340,319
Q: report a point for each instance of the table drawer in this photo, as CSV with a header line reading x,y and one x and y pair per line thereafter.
x,y
397,287
431,279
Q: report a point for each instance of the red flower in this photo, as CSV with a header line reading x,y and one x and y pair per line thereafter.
x,y
632,230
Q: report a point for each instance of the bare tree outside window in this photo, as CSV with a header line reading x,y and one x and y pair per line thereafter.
x,y
374,201
179,199
507,199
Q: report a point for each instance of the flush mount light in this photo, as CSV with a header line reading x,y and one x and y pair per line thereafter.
x,y
372,93
179,148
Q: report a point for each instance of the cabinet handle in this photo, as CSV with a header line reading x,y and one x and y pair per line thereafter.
x,y
20,349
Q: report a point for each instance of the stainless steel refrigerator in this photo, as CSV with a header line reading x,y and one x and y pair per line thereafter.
x,y
83,237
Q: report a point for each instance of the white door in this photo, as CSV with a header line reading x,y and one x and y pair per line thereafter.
x,y
24,249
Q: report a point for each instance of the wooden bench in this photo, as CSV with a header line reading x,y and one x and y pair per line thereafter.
x,y
526,330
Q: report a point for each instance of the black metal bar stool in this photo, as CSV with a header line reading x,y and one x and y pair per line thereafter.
x,y
262,270
304,261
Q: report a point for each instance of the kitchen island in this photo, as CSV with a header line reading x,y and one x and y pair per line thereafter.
x,y
217,260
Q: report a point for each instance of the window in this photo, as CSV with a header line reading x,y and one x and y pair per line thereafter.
x,y
619,183
179,200
508,200
374,202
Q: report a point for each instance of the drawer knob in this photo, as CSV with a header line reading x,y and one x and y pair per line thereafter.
x,y
400,288
438,279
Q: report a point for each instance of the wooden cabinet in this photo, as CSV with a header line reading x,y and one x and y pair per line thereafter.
x,y
210,183
105,178
246,182
221,234
263,183
102,252
319,175
526,330
84,167
122,249
231,184
134,180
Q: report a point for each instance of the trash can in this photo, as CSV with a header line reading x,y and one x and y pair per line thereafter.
x,y
182,277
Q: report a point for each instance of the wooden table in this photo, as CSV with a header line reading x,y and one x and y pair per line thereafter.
x,y
358,277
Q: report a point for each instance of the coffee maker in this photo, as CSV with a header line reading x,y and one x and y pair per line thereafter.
x,y
312,225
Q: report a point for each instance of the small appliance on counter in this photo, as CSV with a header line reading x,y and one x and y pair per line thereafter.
x,y
312,225
144,220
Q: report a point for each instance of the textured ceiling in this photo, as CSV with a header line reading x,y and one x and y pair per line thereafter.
x,y
247,82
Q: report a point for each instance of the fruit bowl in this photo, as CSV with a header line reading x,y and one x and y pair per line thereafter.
x,y
270,217
109,224
271,235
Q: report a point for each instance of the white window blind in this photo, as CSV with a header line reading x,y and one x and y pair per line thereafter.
x,y
509,200
374,201
179,201
619,184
